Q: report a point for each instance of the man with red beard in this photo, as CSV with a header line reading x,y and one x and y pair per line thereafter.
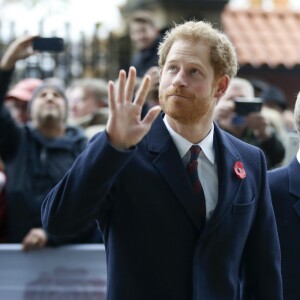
x,y
176,224
36,156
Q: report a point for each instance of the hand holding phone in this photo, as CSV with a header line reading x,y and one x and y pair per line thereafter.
x,y
49,44
244,106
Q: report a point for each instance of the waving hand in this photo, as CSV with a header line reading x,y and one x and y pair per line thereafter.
x,y
125,127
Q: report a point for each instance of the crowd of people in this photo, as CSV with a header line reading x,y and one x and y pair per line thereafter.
x,y
105,162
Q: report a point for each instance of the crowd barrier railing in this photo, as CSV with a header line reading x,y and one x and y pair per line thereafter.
x,y
67,272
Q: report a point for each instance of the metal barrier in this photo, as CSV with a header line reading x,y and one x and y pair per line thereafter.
x,y
62,273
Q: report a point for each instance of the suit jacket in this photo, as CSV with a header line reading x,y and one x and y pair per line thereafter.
x,y
150,224
285,190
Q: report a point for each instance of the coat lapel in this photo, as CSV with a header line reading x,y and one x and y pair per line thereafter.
x,y
229,182
160,142
169,163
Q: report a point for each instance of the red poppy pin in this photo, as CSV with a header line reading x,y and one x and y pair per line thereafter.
x,y
239,170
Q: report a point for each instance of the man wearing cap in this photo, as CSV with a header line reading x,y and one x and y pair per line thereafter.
x,y
36,156
18,97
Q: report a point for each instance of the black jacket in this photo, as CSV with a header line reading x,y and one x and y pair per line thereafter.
x,y
34,164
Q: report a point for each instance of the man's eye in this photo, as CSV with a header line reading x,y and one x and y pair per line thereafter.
x,y
195,71
172,68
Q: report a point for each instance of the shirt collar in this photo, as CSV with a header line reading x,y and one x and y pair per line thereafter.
x,y
183,145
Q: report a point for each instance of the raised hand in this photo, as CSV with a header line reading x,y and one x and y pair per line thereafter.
x,y
125,127
224,112
19,49
257,122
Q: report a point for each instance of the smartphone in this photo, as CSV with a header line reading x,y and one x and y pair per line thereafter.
x,y
49,44
245,106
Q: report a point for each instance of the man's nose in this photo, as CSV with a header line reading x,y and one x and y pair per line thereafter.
x,y
50,96
180,79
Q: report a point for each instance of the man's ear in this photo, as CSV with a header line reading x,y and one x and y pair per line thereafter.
x,y
222,85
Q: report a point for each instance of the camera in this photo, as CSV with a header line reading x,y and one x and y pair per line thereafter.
x,y
50,44
245,106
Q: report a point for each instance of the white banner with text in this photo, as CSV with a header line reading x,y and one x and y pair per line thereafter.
x,y
68,272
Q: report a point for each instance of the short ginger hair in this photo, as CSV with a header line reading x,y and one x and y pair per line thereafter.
x,y
222,53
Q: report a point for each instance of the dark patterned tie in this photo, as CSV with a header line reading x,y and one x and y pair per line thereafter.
x,y
192,169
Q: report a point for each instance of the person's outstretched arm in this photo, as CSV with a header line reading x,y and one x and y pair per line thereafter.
x,y
9,130
79,197
19,49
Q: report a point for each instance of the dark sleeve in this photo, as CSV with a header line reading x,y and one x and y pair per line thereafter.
x,y
5,78
10,132
3,216
90,235
274,150
81,196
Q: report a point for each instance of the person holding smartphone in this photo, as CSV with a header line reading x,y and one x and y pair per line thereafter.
x,y
36,156
262,128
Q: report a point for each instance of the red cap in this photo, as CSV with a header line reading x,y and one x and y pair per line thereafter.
x,y
23,90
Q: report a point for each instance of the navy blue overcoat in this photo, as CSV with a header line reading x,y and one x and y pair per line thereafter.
x,y
285,190
150,223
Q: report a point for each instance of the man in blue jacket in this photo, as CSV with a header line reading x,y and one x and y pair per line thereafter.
x,y
285,190
176,224
36,156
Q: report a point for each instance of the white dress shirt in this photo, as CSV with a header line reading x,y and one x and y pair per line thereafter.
x,y
207,166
